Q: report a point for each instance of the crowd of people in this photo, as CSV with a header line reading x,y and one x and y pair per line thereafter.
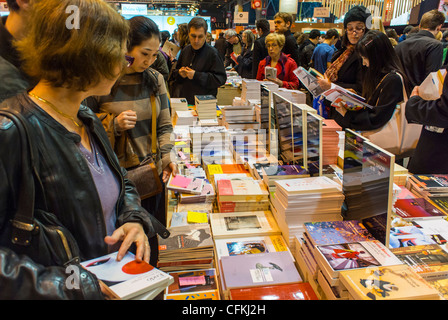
x,y
86,90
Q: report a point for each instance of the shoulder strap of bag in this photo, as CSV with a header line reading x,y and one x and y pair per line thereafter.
x,y
23,221
154,125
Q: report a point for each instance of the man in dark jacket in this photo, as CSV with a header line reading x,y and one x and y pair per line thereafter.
x,y
260,51
431,153
283,22
422,54
199,69
12,27
307,48
221,45
234,45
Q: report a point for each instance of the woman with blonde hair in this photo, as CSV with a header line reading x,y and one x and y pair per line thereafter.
x,y
283,63
81,190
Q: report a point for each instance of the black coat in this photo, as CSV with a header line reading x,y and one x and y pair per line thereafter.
x,y
259,53
70,194
209,76
431,154
245,63
419,55
291,47
384,99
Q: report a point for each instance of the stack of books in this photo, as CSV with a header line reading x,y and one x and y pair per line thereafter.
x,y
211,144
225,169
128,279
188,247
206,106
185,184
193,285
185,118
322,234
178,104
429,186
295,96
330,142
430,260
242,195
250,90
240,117
257,270
271,174
297,201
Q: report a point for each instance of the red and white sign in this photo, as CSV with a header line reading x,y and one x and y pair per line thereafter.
x,y
256,4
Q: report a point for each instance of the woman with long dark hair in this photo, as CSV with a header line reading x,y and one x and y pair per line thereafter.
x,y
382,85
128,111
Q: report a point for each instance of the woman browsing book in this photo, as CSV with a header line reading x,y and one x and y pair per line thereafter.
x,y
127,112
382,85
284,64
83,201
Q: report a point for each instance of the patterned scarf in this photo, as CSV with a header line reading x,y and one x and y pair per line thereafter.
x,y
333,70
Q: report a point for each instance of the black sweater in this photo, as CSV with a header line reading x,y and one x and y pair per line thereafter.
x,y
209,76
384,99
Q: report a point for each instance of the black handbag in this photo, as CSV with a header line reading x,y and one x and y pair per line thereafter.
x,y
33,231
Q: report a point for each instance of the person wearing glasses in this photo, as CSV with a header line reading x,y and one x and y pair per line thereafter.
x,y
128,109
283,63
82,187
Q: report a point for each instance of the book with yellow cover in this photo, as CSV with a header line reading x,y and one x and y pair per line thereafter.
x,y
398,282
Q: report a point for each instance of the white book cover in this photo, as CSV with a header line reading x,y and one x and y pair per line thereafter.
x,y
127,278
308,185
235,224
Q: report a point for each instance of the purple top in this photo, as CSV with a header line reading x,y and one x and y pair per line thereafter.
x,y
106,183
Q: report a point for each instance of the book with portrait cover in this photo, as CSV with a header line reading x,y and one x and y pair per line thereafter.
x,y
398,282
128,279
334,258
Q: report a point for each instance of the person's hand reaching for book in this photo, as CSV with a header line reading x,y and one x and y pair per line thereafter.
x,y
129,233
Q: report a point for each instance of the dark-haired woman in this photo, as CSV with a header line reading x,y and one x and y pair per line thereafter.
x,y
91,205
127,111
382,84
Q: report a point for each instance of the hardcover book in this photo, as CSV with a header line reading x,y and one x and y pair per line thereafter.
x,y
128,279
398,282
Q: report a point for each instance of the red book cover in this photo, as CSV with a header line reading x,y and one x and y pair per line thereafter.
x,y
225,188
417,208
294,291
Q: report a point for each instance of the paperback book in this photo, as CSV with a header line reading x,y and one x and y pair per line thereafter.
x,y
128,279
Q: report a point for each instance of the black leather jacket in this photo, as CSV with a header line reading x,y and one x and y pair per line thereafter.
x,y
70,193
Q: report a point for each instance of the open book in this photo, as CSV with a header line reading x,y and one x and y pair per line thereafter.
x,y
352,101
336,94
309,81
